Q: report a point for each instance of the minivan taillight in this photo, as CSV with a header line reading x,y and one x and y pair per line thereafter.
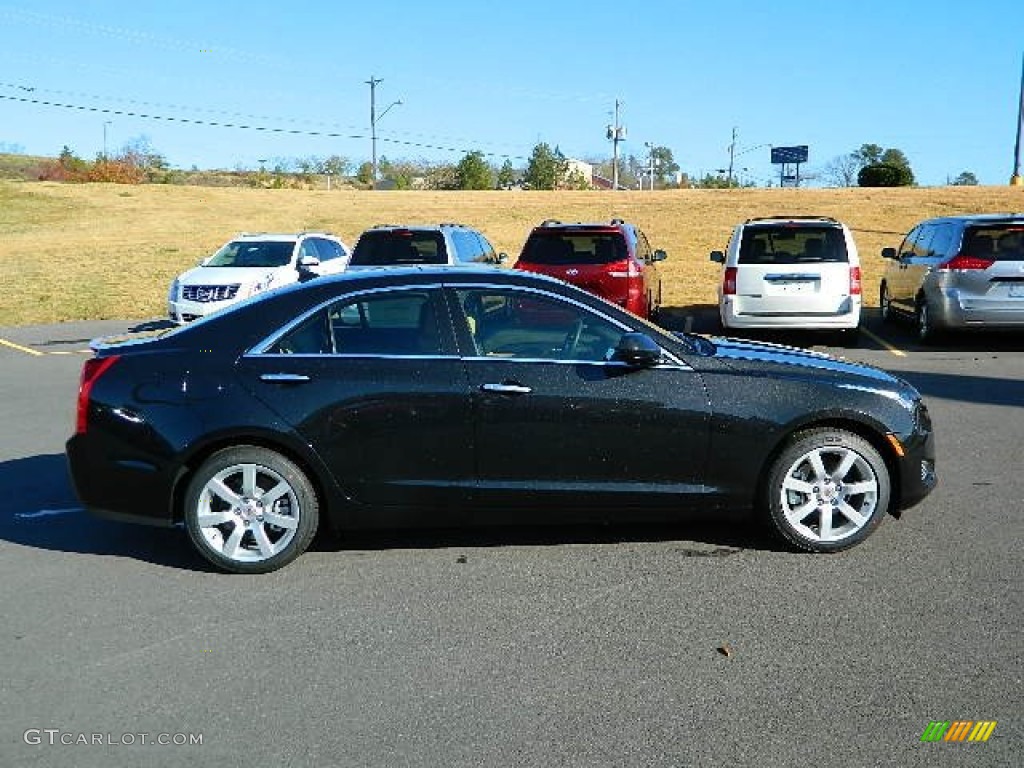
x,y
91,372
965,261
729,281
855,281
626,268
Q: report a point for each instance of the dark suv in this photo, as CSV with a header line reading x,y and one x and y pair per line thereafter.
x,y
388,245
612,260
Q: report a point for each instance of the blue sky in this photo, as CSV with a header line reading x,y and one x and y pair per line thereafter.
x,y
936,79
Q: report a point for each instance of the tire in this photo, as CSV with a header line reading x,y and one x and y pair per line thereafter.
x,y
807,495
885,304
926,331
227,516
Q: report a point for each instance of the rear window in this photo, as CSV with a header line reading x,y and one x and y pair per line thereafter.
x,y
399,246
999,242
792,244
554,247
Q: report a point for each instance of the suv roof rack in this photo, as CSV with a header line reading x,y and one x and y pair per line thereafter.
x,y
792,218
617,222
551,223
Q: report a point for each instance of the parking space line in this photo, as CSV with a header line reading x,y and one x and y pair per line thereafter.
x,y
879,340
26,350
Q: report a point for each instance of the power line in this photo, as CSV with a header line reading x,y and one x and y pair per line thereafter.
x,y
241,126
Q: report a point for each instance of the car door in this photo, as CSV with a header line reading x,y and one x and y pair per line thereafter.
x,y
916,267
372,383
332,256
557,421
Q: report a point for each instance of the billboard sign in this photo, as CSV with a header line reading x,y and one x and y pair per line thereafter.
x,y
787,155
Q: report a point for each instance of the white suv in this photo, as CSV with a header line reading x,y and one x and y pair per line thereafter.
x,y
790,272
250,264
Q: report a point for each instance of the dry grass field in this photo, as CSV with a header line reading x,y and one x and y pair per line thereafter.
x,y
98,251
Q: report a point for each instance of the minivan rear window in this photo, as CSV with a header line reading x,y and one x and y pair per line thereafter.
x,y
574,248
399,246
788,244
1001,242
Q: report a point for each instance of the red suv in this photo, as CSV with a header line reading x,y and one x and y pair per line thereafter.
x,y
613,261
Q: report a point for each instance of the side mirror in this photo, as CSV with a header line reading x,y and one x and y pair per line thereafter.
x,y
501,258
308,262
637,349
718,257
203,262
888,253
659,255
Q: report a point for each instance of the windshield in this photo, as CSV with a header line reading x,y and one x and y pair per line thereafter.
x,y
399,246
554,247
258,253
792,244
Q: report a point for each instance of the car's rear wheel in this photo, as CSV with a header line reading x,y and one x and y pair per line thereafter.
x,y
250,510
827,490
926,331
885,304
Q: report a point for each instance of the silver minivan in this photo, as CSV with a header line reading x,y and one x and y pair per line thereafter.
x,y
957,272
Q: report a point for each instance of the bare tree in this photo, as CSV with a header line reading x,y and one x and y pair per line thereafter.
x,y
842,170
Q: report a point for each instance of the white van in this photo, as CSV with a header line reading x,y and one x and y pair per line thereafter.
x,y
251,264
790,272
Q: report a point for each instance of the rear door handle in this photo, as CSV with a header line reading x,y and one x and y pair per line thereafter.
x,y
507,389
284,378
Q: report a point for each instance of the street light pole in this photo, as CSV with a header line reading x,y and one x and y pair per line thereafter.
x,y
373,82
105,124
1016,180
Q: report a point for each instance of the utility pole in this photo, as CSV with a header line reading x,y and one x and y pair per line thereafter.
x,y
374,117
732,155
616,133
105,124
650,163
372,82
1016,180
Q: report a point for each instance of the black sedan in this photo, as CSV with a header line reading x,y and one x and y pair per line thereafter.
x,y
451,396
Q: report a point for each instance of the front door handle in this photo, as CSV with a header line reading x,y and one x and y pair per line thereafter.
x,y
284,378
507,389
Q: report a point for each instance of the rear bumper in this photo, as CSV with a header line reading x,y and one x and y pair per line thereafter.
x,y
734,315
955,311
123,490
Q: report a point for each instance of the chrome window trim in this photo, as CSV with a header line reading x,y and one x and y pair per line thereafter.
x,y
675,361
260,348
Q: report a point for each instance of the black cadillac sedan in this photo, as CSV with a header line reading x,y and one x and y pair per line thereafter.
x,y
467,396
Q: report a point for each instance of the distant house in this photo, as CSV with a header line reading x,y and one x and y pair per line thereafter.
x,y
586,170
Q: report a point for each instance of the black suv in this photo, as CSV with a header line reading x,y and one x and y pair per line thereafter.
x,y
388,245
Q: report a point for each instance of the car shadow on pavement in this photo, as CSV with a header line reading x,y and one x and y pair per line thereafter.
x,y
38,508
981,390
152,325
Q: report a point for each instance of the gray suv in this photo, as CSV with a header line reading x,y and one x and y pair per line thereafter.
x,y
957,272
389,245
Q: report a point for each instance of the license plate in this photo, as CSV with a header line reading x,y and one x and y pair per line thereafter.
x,y
790,286
1017,290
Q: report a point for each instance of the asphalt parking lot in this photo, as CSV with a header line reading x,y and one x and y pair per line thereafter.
x,y
655,646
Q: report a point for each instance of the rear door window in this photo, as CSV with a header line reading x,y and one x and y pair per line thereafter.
x,y
798,244
574,248
399,246
997,242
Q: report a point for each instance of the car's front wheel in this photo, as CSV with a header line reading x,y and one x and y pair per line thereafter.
x,y
827,490
250,510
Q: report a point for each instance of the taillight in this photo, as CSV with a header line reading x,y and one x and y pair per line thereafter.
x,y
855,281
964,261
91,372
627,268
729,282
